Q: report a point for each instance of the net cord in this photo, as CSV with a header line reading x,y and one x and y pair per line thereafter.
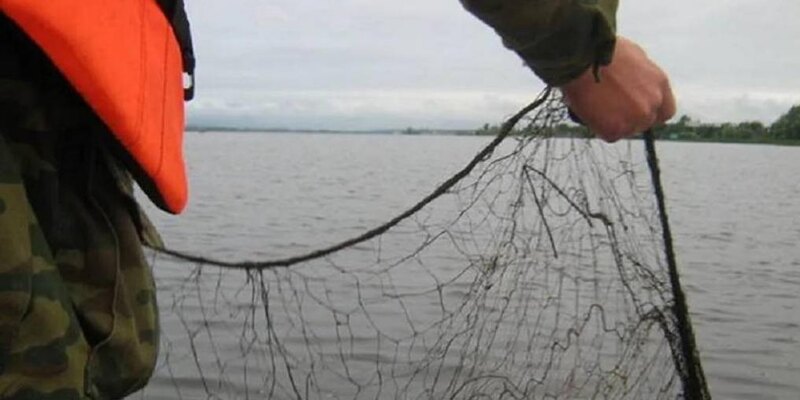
x,y
694,383
484,154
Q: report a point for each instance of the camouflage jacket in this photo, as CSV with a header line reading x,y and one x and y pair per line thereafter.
x,y
558,39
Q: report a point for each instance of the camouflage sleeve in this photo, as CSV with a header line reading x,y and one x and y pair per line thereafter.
x,y
557,39
78,307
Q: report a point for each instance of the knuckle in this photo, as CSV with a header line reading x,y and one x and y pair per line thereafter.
x,y
612,130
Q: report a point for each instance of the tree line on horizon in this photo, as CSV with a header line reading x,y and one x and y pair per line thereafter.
x,y
784,129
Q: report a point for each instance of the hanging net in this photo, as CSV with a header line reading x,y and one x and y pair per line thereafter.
x,y
541,270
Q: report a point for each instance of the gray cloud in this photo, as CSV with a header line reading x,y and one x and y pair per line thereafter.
x,y
363,64
729,60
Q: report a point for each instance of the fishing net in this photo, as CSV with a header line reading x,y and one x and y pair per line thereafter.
x,y
541,270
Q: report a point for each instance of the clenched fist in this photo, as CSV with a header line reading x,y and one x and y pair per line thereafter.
x,y
633,95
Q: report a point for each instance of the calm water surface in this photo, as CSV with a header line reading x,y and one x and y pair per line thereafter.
x,y
735,211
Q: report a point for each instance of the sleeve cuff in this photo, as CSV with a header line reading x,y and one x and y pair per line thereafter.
x,y
583,38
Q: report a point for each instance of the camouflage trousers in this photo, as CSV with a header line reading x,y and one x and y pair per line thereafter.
x,y
78,313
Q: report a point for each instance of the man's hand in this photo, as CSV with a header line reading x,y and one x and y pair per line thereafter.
x,y
632,96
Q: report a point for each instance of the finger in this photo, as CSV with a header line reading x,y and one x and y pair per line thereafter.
x,y
612,129
668,106
644,125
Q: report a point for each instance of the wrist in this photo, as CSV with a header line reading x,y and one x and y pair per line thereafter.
x,y
585,81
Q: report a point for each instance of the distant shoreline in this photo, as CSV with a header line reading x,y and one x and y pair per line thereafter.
x,y
785,131
407,131
457,132
774,142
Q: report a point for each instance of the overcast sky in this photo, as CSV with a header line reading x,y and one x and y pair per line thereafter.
x,y
362,64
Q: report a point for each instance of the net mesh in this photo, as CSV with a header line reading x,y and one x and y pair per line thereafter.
x,y
540,274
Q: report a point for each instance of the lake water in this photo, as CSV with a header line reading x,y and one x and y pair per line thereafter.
x,y
735,211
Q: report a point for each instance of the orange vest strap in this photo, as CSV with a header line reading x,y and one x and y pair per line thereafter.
x,y
124,60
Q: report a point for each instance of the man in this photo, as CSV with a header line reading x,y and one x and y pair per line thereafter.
x,y
86,102
90,93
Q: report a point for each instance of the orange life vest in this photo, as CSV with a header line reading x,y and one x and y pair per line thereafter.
x,y
122,56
